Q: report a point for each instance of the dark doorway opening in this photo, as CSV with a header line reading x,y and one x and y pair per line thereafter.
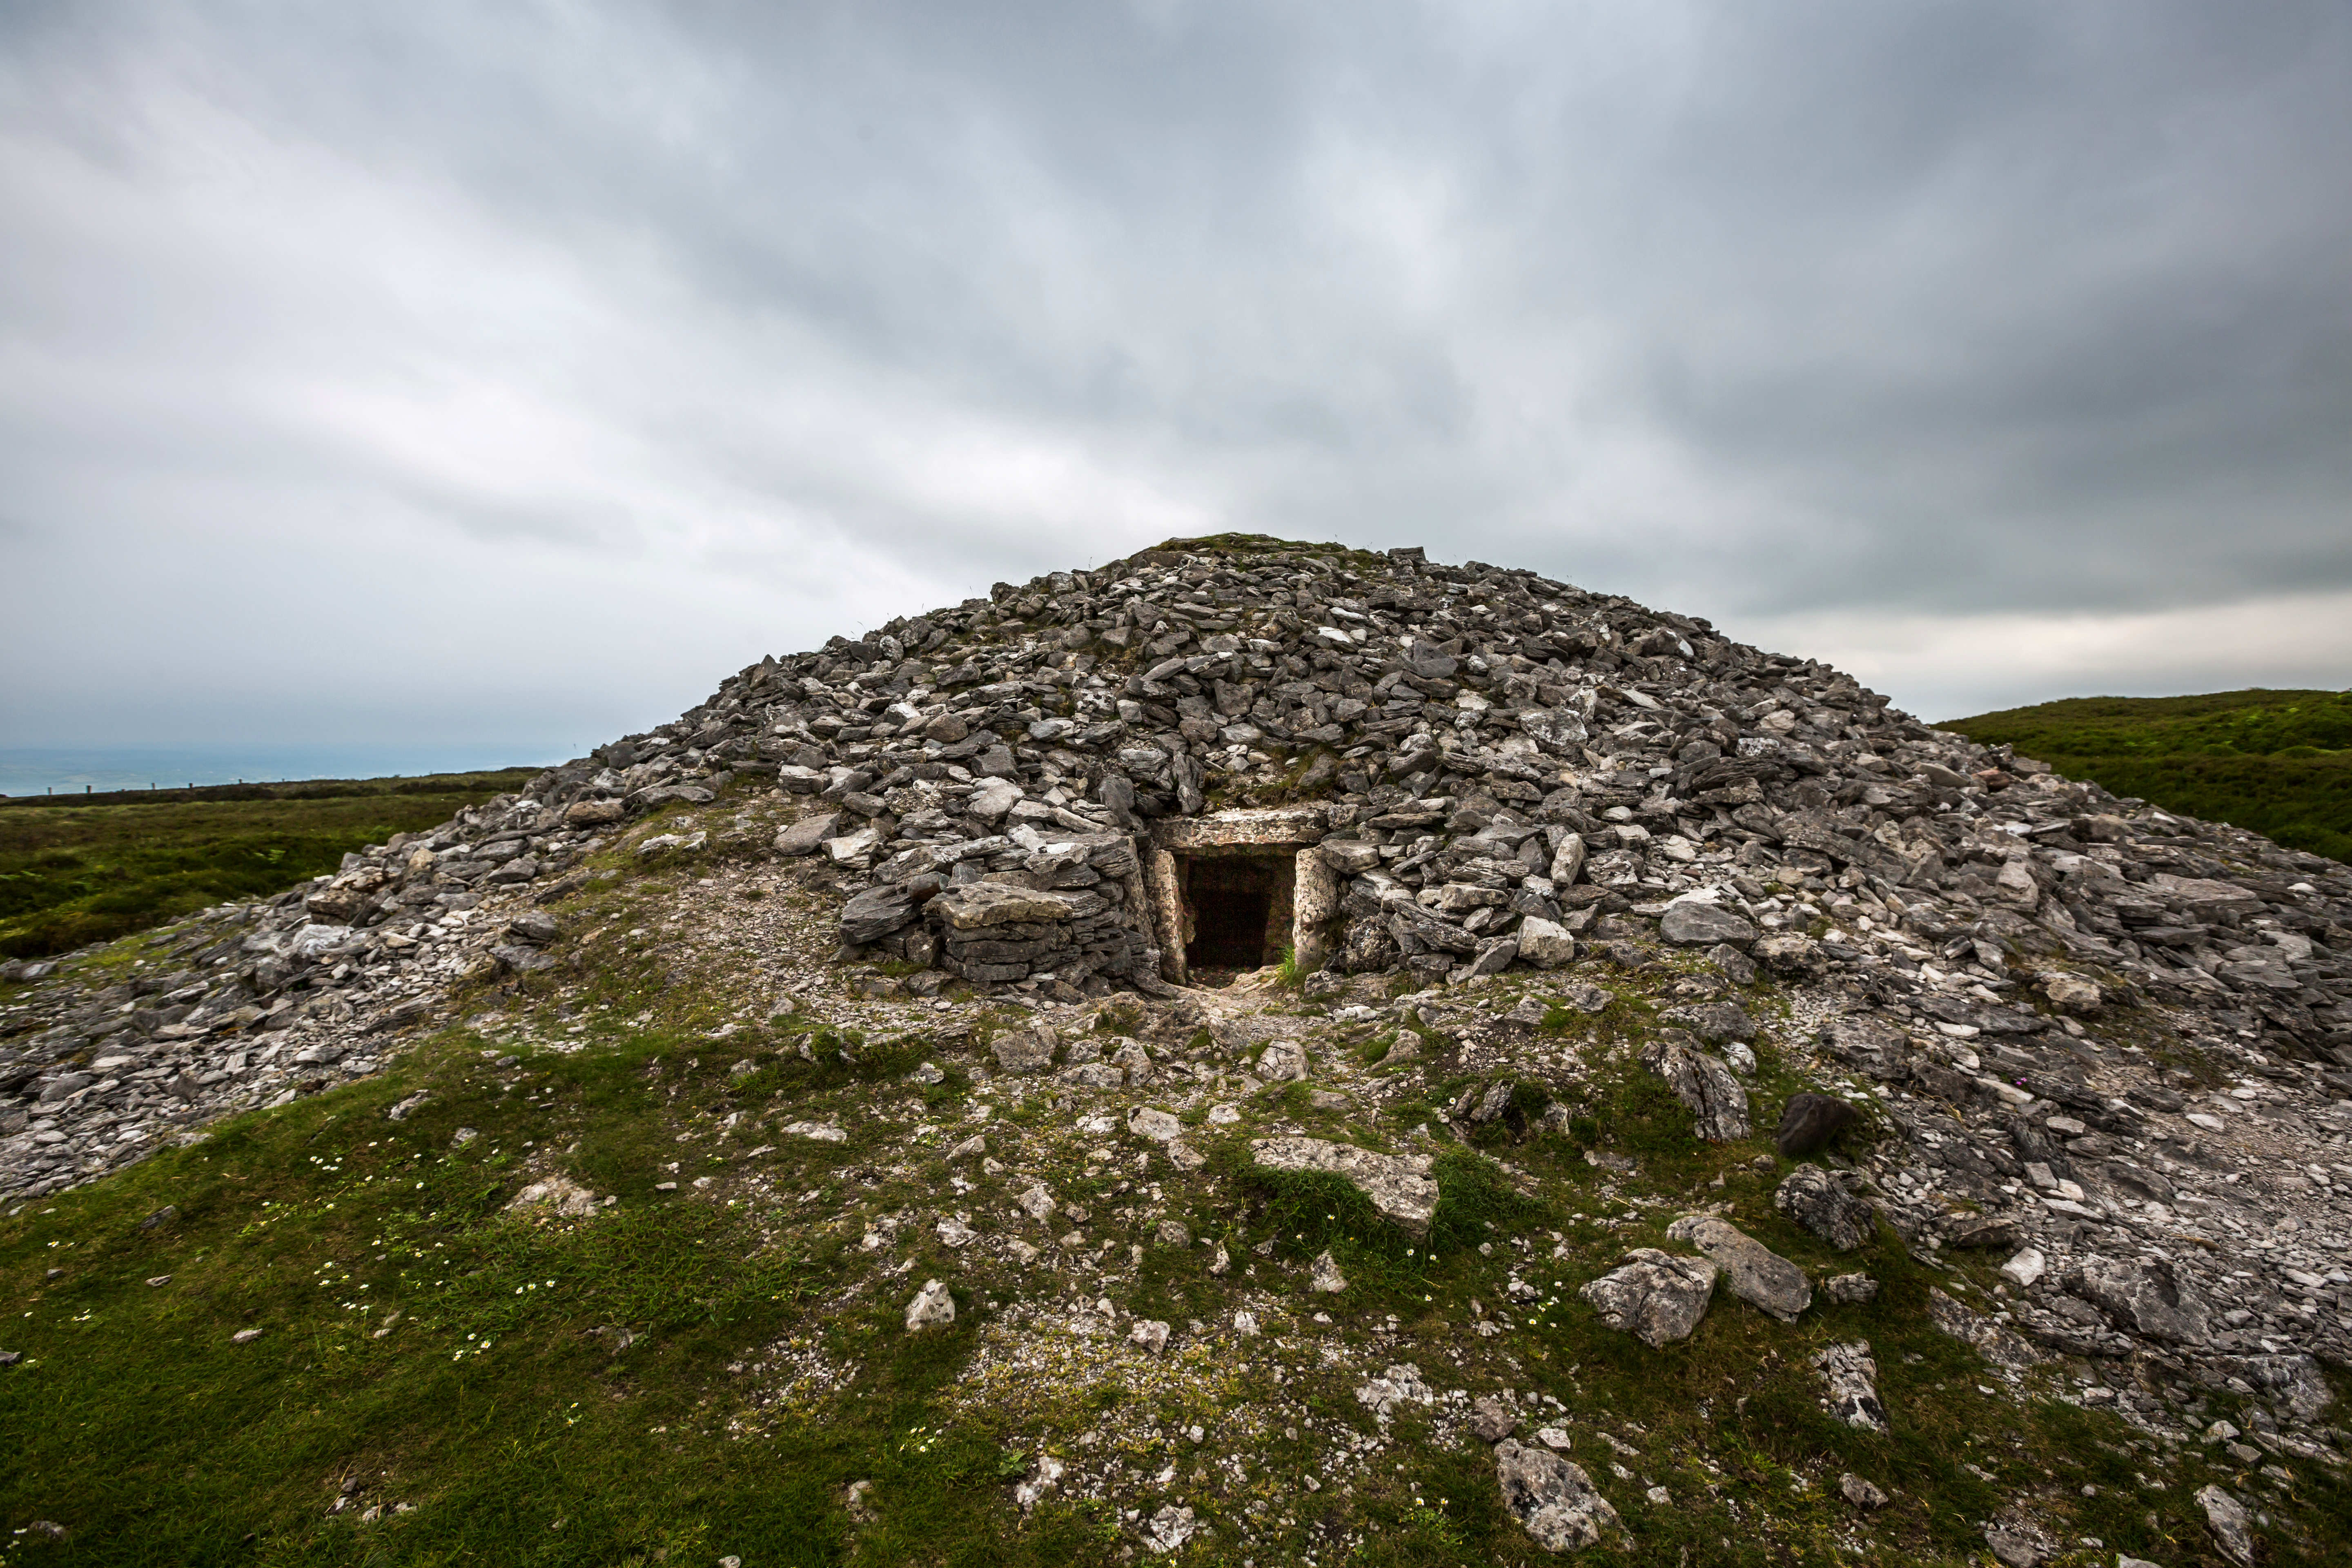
x,y
1231,900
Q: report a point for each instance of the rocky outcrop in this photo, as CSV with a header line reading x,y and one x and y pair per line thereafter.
x,y
1400,1189
1823,1206
1656,1297
1552,1499
1718,1106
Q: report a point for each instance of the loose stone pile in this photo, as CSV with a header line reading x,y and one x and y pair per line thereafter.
x,y
252,1004
1505,775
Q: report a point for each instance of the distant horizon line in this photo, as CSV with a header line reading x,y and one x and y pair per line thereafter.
x,y
34,772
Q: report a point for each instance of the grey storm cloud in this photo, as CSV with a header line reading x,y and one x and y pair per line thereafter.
x,y
519,371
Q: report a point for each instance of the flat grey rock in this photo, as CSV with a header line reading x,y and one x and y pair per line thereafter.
x,y
1759,1275
807,836
1693,923
1401,1189
1715,1023
1024,1051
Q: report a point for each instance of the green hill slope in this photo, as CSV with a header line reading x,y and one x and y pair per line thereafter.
x,y
2276,763
85,869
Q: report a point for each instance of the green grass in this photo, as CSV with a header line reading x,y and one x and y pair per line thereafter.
x,y
423,1345
75,874
2276,763
500,1404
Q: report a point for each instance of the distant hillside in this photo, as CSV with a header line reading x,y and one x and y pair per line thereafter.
x,y
84,868
2276,763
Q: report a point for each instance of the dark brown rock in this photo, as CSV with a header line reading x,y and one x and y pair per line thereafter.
x,y
1809,1122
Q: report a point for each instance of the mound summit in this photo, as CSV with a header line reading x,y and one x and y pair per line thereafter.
x,y
1242,870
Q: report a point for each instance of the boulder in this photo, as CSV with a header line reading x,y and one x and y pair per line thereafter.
x,y
1494,957
1861,1493
2073,994
1718,1106
1284,1061
932,1306
1545,944
1656,1297
1157,1125
1694,923
1554,730
1793,957
1822,1204
1980,1232
807,836
561,1194
2017,1538
1024,1051
993,798
1809,1122
1715,1023
875,913
1733,964
1325,1277
1872,1042
1568,860
1759,1275
1490,1420
1851,1289
852,846
1401,1189
535,926
1551,1498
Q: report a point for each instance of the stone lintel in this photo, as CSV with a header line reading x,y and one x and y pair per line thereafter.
x,y
1265,828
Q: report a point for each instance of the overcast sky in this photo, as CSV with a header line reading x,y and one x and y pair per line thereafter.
x,y
513,372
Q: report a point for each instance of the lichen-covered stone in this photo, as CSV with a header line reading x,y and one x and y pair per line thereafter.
x,y
1551,1498
1656,1297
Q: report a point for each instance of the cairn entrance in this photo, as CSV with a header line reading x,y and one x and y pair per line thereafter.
x,y
1238,908
1231,891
